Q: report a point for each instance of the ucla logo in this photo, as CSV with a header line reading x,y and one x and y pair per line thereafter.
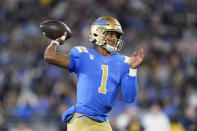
x,y
91,56
118,28
101,22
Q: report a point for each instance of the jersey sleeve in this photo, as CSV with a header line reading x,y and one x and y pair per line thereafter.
x,y
74,59
75,54
128,83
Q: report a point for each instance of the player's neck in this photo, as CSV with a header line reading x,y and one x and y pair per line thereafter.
x,y
102,51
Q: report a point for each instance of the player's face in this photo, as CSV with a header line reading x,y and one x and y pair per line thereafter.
x,y
111,38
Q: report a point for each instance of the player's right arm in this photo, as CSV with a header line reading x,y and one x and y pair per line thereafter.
x,y
57,58
52,56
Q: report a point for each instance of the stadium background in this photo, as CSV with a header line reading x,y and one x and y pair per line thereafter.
x,y
33,94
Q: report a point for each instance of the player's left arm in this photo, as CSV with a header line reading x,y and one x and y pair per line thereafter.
x,y
136,59
129,85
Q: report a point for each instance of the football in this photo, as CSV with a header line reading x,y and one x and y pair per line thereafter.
x,y
54,29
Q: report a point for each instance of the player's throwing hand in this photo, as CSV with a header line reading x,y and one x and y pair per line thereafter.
x,y
62,39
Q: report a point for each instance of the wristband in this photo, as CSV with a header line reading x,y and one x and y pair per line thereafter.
x,y
56,42
132,72
63,38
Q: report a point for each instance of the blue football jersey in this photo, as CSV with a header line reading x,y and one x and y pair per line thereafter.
x,y
99,79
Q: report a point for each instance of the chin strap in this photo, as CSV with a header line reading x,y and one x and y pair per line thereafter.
x,y
109,48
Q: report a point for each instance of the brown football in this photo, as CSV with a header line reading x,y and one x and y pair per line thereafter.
x,y
54,29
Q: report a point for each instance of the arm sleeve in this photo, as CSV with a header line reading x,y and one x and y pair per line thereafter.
x,y
129,87
74,60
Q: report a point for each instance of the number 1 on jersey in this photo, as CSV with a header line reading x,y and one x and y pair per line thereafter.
x,y
102,88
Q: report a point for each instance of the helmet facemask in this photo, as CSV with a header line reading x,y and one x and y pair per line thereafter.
x,y
117,45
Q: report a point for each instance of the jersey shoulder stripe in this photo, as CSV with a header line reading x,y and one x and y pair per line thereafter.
x,y
81,49
127,59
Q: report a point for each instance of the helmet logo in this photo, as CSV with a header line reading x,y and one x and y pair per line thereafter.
x,y
117,28
101,22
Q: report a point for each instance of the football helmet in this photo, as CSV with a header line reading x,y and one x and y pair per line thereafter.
x,y
100,27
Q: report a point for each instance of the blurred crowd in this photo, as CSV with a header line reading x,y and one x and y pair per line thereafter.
x,y
33,94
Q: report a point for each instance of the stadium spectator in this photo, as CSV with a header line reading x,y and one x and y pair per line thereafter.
x,y
156,120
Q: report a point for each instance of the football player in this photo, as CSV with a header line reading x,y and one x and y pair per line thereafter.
x,y
101,71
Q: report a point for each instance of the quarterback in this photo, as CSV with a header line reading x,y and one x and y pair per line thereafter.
x,y
101,71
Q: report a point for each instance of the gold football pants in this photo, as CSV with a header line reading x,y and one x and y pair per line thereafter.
x,y
81,122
